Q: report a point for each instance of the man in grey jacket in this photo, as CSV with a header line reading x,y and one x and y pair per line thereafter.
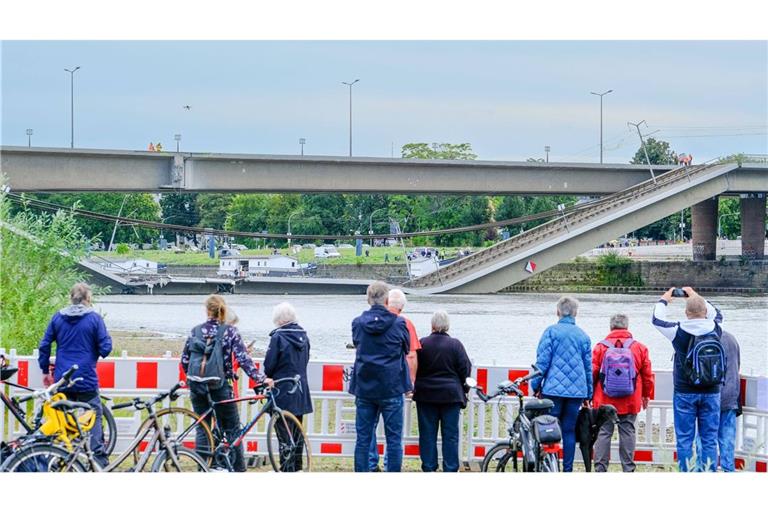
x,y
730,404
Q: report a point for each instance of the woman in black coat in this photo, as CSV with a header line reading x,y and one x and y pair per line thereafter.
x,y
439,394
288,356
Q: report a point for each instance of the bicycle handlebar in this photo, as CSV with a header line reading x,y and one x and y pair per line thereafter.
x,y
122,406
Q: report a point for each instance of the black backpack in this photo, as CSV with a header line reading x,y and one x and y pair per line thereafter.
x,y
206,359
705,361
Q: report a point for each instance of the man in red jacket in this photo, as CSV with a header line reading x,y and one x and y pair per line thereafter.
x,y
627,405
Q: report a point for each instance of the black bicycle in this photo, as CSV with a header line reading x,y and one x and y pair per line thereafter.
x,y
43,455
109,427
534,437
287,445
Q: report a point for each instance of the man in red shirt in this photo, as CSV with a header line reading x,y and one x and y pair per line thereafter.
x,y
627,405
396,302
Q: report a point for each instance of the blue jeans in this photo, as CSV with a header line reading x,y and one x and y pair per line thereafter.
x,y
726,439
692,412
446,417
567,410
366,418
373,461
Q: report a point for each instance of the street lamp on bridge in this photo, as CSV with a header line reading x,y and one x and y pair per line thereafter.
x,y
30,131
302,141
72,105
546,150
601,119
177,138
350,84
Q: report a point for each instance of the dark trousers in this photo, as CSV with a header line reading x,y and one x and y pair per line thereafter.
x,y
446,418
567,410
288,437
228,420
97,432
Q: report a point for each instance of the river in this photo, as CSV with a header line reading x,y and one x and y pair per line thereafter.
x,y
501,329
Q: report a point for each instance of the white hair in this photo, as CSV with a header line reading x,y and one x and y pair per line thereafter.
x,y
440,321
567,306
283,314
397,299
378,293
619,321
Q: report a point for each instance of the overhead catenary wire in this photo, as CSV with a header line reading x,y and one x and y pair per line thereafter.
x,y
45,205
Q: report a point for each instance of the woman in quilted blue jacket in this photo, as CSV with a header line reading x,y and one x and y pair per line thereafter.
x,y
564,356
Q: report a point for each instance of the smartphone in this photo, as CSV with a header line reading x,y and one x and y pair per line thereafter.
x,y
679,292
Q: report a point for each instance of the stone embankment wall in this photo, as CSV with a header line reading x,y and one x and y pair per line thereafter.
x,y
735,276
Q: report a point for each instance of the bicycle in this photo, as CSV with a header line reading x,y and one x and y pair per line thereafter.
x,y
109,428
171,454
534,436
287,445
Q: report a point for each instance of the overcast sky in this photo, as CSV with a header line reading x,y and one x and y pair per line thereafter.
x,y
508,99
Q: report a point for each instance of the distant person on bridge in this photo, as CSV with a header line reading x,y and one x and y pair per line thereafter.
x,y
629,391
287,356
198,357
379,377
699,368
396,302
730,405
564,356
151,147
81,338
440,394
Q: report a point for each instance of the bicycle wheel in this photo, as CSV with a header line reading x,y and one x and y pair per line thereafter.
x,y
42,458
287,444
109,428
183,425
188,461
501,458
550,464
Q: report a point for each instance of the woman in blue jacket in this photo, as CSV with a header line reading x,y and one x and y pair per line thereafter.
x,y
564,356
288,356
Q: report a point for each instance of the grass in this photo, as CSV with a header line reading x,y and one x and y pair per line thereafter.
x,y
376,256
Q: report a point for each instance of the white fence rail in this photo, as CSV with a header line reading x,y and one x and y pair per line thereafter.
x,y
331,427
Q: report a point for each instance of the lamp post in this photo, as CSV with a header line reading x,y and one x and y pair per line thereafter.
x,y
289,228
642,143
546,150
719,219
177,138
601,119
72,104
370,219
30,131
350,84
302,141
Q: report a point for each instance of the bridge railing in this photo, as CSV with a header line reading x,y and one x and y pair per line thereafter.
x,y
331,427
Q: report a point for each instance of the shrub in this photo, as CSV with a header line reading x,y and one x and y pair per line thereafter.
x,y
39,256
616,270
123,249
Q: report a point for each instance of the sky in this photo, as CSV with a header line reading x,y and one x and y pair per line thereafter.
x,y
507,98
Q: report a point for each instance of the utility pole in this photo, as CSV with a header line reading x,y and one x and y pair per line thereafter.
x,y
112,240
72,105
601,119
350,84
642,143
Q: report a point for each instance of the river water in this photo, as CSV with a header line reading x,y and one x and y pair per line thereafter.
x,y
501,329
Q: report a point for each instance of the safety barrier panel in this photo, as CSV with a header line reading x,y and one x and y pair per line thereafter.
x,y
331,427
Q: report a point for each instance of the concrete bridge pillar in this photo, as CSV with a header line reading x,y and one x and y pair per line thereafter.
x,y
704,230
753,226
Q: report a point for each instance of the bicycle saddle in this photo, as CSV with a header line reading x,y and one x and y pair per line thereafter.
x,y
8,372
538,404
202,380
66,405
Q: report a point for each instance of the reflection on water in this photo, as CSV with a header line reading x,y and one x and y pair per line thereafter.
x,y
495,329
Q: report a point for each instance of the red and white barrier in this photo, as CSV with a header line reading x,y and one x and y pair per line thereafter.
x,y
132,376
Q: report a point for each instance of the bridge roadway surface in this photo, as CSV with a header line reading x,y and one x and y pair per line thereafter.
x,y
71,170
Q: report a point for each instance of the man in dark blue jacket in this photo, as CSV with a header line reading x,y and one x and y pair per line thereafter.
x,y
380,377
81,338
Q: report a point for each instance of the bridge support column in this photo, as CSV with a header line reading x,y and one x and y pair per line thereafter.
x,y
753,226
704,230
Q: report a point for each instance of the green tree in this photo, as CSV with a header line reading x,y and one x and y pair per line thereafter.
x,y
213,209
180,209
659,153
39,256
438,151
136,206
